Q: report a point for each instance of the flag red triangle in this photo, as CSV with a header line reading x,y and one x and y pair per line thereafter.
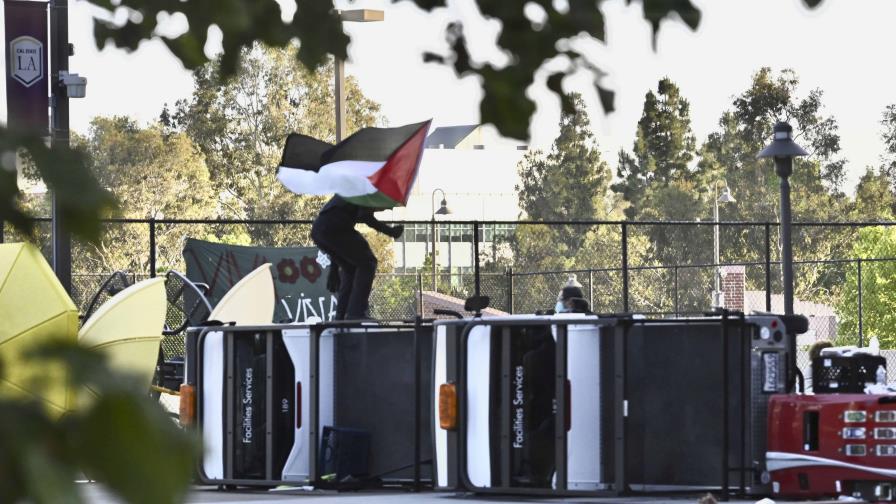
x,y
397,176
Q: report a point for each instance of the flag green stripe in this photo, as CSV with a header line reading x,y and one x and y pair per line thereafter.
x,y
375,200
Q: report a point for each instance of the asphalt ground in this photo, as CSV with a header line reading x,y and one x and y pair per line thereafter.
x,y
94,494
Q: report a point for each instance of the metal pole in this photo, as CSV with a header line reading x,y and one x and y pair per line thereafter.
x,y
152,248
494,242
417,429
675,288
510,288
420,293
562,420
861,335
339,92
725,400
62,242
432,202
476,255
768,267
433,252
784,167
448,243
625,307
404,252
591,288
715,247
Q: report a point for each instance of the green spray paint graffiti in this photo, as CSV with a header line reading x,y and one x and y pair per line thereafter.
x,y
299,275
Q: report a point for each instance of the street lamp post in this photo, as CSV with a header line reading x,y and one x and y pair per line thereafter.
x,y
783,149
358,16
718,297
443,210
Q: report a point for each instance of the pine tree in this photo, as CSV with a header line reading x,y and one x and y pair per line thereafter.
x,y
664,148
568,183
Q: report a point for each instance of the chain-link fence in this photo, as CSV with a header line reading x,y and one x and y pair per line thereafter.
x,y
843,273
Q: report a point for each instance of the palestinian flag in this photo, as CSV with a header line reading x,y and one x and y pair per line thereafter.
x,y
375,167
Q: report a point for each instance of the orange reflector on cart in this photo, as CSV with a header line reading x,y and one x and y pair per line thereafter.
x,y
448,406
187,405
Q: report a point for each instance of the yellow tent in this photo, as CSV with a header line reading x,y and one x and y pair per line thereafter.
x,y
34,310
249,302
128,329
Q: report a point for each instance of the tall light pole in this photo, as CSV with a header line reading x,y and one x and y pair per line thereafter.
x,y
443,210
358,16
59,134
718,297
783,149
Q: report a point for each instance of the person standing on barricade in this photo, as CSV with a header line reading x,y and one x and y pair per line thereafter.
x,y
333,231
373,169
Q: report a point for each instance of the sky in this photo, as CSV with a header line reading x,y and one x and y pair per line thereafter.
x,y
839,47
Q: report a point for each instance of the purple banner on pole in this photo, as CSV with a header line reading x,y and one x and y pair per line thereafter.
x,y
27,100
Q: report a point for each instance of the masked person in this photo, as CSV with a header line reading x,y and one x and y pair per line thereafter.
x,y
333,231
571,299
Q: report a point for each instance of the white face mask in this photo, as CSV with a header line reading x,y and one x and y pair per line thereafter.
x,y
560,307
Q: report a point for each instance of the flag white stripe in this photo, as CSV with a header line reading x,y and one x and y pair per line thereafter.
x,y
345,178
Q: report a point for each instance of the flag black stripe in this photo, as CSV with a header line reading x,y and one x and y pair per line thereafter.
x,y
370,144
303,152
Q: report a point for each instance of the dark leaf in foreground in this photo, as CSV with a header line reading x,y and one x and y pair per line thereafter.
x,y
81,201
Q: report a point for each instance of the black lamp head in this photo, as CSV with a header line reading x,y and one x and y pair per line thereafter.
x,y
782,145
443,208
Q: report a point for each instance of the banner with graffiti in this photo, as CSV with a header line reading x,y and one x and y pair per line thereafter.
x,y
300,275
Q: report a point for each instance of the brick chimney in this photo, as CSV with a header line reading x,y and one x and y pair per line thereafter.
x,y
733,281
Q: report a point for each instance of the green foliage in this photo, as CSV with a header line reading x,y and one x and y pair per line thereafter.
x,y
123,439
155,174
888,135
317,26
746,128
80,199
568,183
730,154
394,297
529,44
878,288
874,200
242,22
659,182
663,150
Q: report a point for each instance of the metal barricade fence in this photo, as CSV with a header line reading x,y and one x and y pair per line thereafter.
x,y
656,268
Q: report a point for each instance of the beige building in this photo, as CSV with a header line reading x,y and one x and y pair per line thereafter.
x,y
475,171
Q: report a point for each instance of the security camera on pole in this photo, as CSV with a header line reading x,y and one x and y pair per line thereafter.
x,y
783,149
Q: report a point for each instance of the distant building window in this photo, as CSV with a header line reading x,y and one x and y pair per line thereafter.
x,y
457,233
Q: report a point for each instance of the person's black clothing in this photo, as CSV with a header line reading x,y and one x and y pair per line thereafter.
x,y
341,214
334,232
357,267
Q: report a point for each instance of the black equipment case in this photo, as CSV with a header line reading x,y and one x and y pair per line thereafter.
x,y
269,397
836,374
